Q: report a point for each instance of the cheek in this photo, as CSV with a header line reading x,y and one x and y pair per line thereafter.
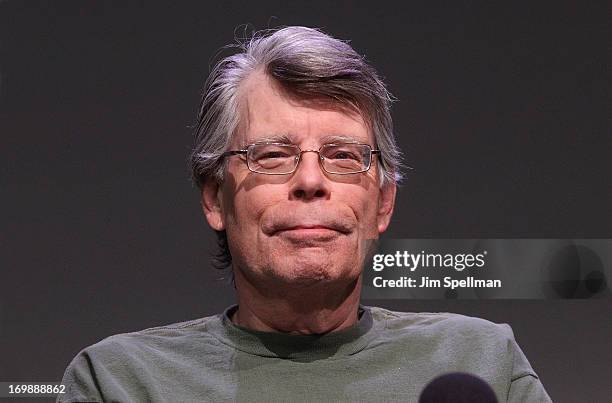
x,y
370,223
238,204
365,205
249,207
372,213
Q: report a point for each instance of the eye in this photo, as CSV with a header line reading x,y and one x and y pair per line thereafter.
x,y
343,154
273,154
261,152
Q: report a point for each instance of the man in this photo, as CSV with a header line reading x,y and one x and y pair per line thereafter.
x,y
297,166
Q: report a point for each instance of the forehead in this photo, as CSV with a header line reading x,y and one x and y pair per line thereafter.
x,y
269,111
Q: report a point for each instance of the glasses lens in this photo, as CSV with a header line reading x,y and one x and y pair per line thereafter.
x,y
346,158
272,158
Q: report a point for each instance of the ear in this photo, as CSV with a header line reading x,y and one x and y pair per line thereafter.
x,y
386,202
212,205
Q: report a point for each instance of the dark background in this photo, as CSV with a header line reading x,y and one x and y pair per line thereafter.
x,y
503,110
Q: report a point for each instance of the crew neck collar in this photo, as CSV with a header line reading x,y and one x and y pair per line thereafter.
x,y
305,348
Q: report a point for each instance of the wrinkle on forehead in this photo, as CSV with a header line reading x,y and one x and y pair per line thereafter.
x,y
247,99
289,139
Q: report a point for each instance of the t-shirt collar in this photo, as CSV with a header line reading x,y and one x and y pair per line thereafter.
x,y
306,348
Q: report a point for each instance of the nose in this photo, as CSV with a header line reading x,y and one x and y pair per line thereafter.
x,y
309,181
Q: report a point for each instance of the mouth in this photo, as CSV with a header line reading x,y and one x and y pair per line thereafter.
x,y
313,225
309,233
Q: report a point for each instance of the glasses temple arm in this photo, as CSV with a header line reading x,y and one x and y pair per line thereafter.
x,y
234,152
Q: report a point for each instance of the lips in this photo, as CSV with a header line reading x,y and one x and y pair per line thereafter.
x,y
308,235
311,228
308,229
308,232
296,223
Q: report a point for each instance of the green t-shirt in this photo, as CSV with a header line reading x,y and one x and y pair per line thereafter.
x,y
386,357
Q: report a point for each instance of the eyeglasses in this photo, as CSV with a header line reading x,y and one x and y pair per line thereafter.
x,y
283,159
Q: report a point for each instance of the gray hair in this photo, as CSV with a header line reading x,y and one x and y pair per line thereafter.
x,y
308,64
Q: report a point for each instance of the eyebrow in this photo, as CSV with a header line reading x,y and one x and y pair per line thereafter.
x,y
275,138
342,139
286,139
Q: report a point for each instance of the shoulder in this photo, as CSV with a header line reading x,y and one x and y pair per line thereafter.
x,y
134,351
461,342
453,342
151,341
439,322
119,363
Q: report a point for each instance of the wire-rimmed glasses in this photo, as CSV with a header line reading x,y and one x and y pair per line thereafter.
x,y
283,159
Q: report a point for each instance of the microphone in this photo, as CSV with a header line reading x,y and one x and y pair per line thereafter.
x,y
457,387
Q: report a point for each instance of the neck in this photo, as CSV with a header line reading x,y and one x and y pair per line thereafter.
x,y
316,309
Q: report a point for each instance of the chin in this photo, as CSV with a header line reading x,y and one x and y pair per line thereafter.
x,y
298,271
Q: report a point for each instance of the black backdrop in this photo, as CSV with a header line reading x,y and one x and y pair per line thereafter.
x,y
503,111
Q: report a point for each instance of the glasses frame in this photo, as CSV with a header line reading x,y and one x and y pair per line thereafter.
x,y
298,157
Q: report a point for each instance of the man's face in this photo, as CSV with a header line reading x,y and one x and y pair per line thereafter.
x,y
307,227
